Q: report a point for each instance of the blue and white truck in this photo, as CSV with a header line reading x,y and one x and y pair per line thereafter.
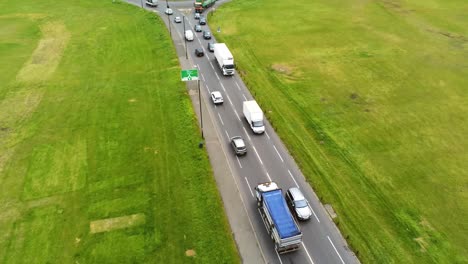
x,y
277,218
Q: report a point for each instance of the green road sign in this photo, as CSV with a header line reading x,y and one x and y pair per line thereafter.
x,y
189,75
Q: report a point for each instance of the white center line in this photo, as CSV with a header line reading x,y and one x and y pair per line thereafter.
x,y
238,87
222,86
292,177
258,156
342,261
268,175
267,135
220,119
239,162
246,132
227,134
244,97
217,76
310,258
235,112
250,189
277,152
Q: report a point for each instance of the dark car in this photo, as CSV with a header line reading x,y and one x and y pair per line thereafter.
x,y
197,15
238,145
206,34
202,21
199,52
211,46
198,28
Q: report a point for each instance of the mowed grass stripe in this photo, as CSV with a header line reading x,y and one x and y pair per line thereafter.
x,y
113,135
370,99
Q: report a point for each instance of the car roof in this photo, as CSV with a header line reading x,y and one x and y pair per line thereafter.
x,y
216,94
296,193
238,141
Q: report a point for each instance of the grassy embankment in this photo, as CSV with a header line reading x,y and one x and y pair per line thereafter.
x,y
371,99
99,157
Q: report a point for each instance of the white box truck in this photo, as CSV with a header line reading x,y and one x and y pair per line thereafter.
x,y
254,116
224,58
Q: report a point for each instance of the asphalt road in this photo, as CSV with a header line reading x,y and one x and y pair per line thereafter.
x,y
267,158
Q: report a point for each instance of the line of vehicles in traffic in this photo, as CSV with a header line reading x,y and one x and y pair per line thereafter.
x,y
278,211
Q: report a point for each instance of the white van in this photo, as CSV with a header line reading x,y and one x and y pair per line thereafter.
x,y
189,35
153,3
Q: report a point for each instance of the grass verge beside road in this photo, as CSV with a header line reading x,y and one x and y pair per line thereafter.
x,y
370,98
99,157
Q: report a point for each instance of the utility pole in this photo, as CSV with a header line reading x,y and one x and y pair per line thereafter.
x,y
185,39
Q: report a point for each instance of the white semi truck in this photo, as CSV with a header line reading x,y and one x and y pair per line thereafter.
x,y
254,116
224,58
277,218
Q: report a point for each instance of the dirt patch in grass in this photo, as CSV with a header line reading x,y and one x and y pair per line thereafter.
x,y
47,55
190,253
281,68
109,224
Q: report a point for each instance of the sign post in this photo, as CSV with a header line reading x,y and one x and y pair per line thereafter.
x,y
192,75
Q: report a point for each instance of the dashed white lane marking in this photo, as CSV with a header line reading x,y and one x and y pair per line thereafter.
x,y
220,119
268,175
211,64
277,152
229,100
238,87
258,156
292,177
267,135
208,89
203,77
227,134
250,189
217,76
222,86
342,261
307,252
281,262
244,97
238,161
235,112
245,130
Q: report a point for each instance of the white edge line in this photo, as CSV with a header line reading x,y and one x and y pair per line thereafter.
x,y
244,97
307,252
250,188
267,174
267,135
281,262
246,132
342,261
258,156
237,115
220,119
277,152
227,134
239,162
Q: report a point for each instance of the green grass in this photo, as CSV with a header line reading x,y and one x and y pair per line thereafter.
x,y
371,99
95,124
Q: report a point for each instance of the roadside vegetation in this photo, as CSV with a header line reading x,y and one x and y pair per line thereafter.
x,y
99,157
371,99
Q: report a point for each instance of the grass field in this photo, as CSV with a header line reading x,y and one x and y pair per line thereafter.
x,y
371,99
99,157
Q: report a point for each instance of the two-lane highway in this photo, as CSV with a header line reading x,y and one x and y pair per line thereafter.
x,y
267,158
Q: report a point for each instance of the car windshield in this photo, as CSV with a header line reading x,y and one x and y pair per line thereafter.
x,y
257,123
300,204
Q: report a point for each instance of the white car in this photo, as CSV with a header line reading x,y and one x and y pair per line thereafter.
x,y
217,98
177,19
153,3
168,11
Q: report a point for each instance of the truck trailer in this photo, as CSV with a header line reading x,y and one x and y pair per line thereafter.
x,y
224,58
202,5
277,218
254,116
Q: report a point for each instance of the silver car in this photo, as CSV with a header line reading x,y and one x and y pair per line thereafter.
x,y
238,145
298,204
217,97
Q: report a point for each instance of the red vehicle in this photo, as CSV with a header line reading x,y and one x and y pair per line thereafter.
x,y
201,5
